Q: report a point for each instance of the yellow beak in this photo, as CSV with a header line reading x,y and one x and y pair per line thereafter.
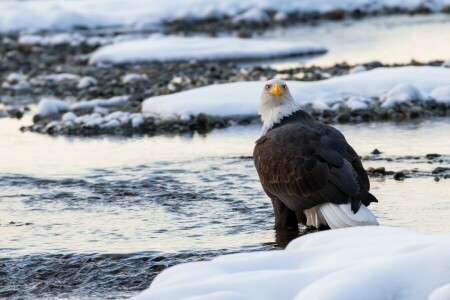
x,y
276,90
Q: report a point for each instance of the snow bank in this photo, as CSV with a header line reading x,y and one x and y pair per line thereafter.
x,y
391,85
352,263
65,15
171,48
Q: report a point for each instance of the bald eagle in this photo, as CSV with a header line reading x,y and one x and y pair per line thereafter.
x,y
307,168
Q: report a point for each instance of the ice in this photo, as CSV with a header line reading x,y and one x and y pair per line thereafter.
x,y
391,85
172,48
370,262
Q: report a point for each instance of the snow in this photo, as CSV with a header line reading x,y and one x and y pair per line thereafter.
x,y
402,92
134,77
111,102
370,262
138,14
357,103
357,69
441,94
167,48
86,81
69,117
54,79
16,81
446,64
73,39
252,15
48,107
242,98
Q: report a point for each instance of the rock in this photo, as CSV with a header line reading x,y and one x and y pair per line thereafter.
x,y
436,179
376,151
439,170
399,176
432,155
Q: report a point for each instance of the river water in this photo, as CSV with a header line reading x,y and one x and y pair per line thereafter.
x,y
75,212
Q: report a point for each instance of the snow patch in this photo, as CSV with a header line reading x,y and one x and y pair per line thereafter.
x,y
198,48
392,85
349,263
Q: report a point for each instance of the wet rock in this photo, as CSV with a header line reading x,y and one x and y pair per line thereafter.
x,y
399,176
432,155
439,170
375,151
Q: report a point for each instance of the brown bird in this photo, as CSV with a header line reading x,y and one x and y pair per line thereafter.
x,y
307,168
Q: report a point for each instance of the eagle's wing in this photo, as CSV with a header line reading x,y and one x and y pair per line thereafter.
x,y
306,165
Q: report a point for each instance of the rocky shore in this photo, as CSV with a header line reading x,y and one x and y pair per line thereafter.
x,y
57,68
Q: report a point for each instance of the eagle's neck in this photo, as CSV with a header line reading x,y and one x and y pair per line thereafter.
x,y
273,115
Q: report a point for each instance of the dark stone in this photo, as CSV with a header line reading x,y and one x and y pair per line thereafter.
x,y
432,155
439,170
376,151
399,176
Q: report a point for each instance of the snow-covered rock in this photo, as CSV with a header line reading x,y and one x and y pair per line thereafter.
x,y
441,94
391,85
400,93
72,39
91,104
86,81
51,79
65,15
446,64
48,107
16,81
373,262
357,69
69,117
134,77
252,15
173,48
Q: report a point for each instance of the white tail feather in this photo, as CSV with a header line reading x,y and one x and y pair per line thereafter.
x,y
339,216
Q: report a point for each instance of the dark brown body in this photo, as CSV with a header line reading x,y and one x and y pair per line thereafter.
x,y
303,163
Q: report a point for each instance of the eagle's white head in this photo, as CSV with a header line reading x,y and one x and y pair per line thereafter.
x,y
275,104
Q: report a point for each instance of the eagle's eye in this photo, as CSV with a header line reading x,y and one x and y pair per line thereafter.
x,y
284,86
267,86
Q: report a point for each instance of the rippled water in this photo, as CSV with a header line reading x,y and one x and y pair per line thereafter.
x,y
99,217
